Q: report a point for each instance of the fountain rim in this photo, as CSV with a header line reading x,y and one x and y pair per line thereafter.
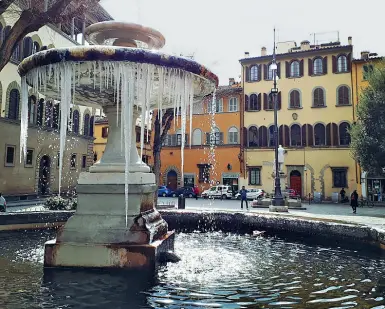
x,y
113,54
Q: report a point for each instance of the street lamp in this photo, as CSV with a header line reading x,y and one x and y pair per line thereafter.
x,y
277,199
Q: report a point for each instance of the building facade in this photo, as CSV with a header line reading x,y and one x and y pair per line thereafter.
x,y
315,112
101,136
202,166
369,185
39,173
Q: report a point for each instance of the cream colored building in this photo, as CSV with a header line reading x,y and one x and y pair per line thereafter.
x,y
315,111
39,174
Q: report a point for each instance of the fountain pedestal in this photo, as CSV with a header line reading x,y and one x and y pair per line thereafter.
x,y
102,233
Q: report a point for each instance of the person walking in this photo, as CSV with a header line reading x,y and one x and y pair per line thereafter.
x,y
343,195
243,193
3,204
196,192
354,201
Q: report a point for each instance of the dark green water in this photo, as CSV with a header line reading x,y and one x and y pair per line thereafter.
x,y
217,271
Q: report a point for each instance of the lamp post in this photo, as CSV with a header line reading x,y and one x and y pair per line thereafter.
x,y
278,199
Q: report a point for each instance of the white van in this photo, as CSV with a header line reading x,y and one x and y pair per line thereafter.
x,y
218,191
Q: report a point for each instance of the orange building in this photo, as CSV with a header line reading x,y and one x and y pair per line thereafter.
x,y
199,168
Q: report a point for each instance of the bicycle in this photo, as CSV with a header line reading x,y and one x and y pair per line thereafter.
x,y
366,202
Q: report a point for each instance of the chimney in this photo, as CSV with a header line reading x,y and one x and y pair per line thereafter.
x,y
350,40
247,54
263,51
305,45
365,55
231,81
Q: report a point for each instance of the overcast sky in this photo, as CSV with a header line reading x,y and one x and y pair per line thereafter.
x,y
218,32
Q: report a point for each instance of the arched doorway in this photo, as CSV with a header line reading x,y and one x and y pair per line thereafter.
x,y
44,174
296,181
172,180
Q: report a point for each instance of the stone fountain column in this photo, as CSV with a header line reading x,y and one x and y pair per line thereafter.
x,y
97,235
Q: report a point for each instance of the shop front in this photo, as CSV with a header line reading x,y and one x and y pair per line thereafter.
x,y
375,188
231,179
189,180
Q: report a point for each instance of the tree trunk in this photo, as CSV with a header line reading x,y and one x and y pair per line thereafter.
x,y
159,137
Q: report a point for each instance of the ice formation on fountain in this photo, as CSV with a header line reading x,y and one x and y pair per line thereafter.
x,y
131,82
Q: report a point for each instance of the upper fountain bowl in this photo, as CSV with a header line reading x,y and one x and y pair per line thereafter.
x,y
98,73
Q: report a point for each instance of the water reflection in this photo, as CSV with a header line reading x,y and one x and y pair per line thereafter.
x,y
217,271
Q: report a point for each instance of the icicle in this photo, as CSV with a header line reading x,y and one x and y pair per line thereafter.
x,y
24,118
149,83
144,110
191,103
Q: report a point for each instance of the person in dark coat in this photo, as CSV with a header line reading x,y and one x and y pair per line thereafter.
x,y
243,193
354,201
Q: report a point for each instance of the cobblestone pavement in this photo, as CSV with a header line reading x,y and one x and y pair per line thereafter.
x,y
369,216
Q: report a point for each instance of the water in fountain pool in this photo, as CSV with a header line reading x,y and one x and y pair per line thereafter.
x,y
216,271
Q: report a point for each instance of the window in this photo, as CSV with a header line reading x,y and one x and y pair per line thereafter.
x,y
254,76
73,161
295,99
253,136
318,66
367,70
254,104
138,137
343,96
16,55
233,136
92,126
204,172
214,138
75,122
27,47
318,97
35,47
344,134
40,113
105,132
86,125
14,102
56,116
233,105
295,135
84,161
294,69
10,155
319,135
270,101
48,114
197,137
270,73
271,136
29,158
342,64
254,176
339,177
219,106
32,109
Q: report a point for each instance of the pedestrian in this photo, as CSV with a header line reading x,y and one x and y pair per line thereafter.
x,y
343,194
243,193
3,203
196,192
354,201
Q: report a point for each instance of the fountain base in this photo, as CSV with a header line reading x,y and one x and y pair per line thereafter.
x,y
107,255
103,233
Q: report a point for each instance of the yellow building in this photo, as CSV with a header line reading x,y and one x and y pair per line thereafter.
x,y
368,184
101,135
315,111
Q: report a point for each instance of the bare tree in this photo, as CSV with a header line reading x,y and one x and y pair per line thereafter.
x,y
34,14
161,128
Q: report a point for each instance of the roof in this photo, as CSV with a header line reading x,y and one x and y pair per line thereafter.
x,y
296,53
224,91
369,59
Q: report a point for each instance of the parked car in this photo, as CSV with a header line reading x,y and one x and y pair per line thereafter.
x,y
252,194
219,191
164,191
186,191
290,193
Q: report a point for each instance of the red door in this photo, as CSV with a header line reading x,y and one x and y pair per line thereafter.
x,y
296,182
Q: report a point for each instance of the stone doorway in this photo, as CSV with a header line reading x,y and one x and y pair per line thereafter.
x,y
296,181
44,175
172,180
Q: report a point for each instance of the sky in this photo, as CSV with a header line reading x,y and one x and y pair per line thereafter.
x,y
218,32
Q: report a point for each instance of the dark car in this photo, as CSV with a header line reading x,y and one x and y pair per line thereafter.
x,y
186,191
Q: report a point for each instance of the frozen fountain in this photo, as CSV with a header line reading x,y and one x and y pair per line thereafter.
x,y
116,224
